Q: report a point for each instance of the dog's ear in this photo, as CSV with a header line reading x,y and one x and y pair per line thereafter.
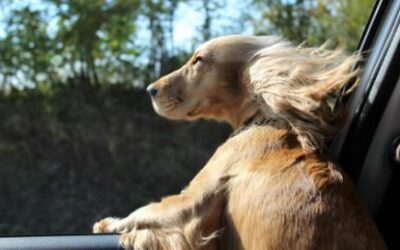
x,y
302,86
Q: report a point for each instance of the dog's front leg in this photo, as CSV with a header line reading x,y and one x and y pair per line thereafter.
x,y
189,220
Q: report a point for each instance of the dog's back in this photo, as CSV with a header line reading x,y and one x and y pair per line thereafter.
x,y
283,198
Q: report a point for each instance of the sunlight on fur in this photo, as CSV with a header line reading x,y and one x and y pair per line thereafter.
x,y
271,184
296,85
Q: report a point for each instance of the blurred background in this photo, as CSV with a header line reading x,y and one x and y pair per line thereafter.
x,y
78,137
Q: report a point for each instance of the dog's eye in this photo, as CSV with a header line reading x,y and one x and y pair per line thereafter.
x,y
197,59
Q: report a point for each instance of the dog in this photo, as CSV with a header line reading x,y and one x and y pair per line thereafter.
x,y
271,185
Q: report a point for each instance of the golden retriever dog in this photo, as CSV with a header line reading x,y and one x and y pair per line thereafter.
x,y
271,184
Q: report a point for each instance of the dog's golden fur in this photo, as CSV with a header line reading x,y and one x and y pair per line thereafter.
x,y
269,186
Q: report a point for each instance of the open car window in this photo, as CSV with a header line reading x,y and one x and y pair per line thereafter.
x,y
78,137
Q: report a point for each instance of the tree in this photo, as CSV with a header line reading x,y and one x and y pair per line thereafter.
x,y
314,21
94,37
26,50
132,41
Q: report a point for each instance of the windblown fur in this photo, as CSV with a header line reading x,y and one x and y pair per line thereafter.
x,y
301,86
270,185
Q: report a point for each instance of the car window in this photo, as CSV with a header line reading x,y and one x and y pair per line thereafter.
x,y
79,139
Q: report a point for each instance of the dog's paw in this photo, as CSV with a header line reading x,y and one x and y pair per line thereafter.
x,y
107,225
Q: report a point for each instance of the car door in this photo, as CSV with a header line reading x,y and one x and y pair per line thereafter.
x,y
369,143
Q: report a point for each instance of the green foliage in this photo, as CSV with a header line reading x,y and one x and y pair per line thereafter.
x,y
26,48
315,21
93,38
95,43
102,42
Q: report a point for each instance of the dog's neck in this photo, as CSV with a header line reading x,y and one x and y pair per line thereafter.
x,y
243,114
245,109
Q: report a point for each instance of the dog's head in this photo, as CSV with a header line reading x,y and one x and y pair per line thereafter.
x,y
233,77
209,84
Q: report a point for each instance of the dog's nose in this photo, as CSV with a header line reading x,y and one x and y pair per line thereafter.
x,y
152,90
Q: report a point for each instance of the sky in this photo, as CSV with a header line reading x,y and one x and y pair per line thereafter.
x,y
188,18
